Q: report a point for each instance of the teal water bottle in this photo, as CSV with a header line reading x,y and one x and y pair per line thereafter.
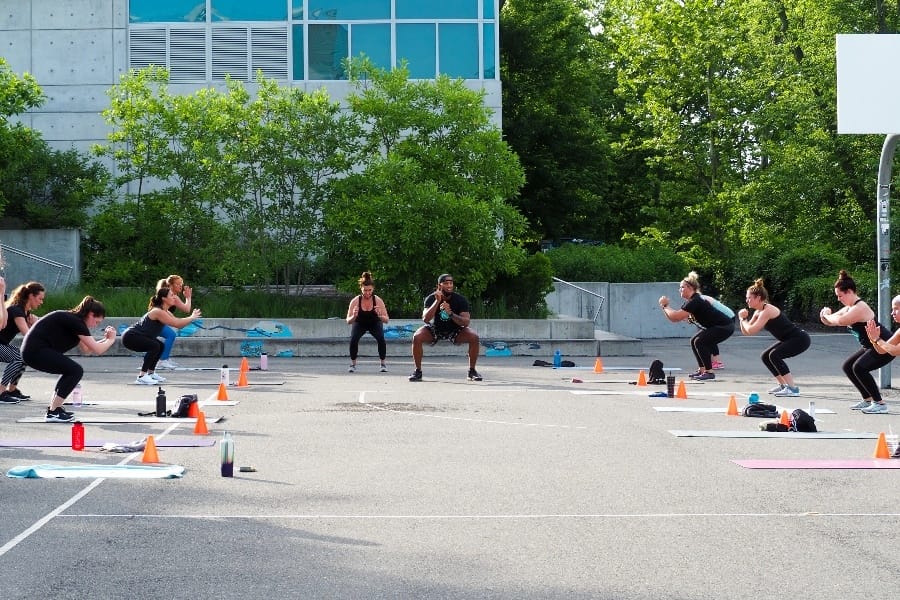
x,y
557,359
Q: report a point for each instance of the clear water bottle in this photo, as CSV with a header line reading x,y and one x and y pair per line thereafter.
x,y
77,397
263,361
226,455
557,359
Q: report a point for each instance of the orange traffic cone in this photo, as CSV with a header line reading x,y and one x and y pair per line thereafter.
x,y
200,426
223,393
242,379
881,449
151,456
598,365
194,410
785,419
682,391
245,366
732,407
642,378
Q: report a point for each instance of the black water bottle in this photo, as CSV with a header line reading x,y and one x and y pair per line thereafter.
x,y
161,403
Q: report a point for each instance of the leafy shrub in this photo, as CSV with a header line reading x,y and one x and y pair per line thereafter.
x,y
574,262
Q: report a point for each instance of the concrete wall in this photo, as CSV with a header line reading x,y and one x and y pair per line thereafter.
x,y
59,246
629,309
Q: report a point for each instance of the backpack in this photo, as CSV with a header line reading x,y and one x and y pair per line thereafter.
x,y
656,374
764,411
775,427
183,406
802,421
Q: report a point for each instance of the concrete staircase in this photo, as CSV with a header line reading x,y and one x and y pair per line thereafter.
x,y
330,337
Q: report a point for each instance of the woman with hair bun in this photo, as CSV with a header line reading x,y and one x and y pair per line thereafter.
x,y
367,314
791,340
859,366
24,299
716,326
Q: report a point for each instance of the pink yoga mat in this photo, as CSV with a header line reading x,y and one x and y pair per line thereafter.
x,y
161,443
819,463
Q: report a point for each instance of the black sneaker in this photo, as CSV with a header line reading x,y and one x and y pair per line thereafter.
x,y
59,416
416,376
7,398
17,393
473,375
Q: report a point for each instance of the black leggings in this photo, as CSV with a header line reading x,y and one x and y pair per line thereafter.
x,y
53,361
706,340
360,330
773,356
152,346
859,366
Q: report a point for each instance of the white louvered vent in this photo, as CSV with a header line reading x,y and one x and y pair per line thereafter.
x,y
229,53
269,51
147,47
187,55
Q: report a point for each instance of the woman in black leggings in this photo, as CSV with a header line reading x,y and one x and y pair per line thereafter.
x,y
54,334
791,339
367,314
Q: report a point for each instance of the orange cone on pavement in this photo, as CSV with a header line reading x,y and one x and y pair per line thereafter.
x,y
881,449
598,365
642,378
242,379
200,426
223,393
732,407
785,419
682,391
151,456
245,365
194,410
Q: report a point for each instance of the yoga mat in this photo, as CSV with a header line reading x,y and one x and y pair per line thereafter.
x,y
232,386
119,419
819,435
96,471
165,442
151,402
598,393
722,409
820,463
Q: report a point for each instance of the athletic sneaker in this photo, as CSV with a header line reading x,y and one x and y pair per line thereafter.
x,y
145,380
473,375
705,376
17,393
860,405
777,388
7,398
167,364
383,368
876,408
416,376
788,392
718,365
695,374
58,415
157,378
352,369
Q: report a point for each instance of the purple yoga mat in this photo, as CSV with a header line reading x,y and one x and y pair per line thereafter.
x,y
165,442
820,463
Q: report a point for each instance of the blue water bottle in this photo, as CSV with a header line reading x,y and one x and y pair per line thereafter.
x,y
557,359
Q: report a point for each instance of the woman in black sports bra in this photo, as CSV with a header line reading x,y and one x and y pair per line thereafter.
x,y
367,314
859,366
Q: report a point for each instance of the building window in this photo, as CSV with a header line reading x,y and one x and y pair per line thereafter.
x,y
176,11
348,10
458,50
374,41
440,9
328,47
241,10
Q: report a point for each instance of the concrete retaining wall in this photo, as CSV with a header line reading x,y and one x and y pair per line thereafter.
x,y
56,260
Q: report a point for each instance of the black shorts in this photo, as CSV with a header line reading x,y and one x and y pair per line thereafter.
x,y
443,335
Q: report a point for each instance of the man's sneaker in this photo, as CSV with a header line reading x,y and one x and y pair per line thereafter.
x,y
7,398
695,374
876,408
473,375
352,369
416,376
157,378
777,388
860,405
17,393
705,376
166,364
58,415
788,392
383,369
145,380
718,365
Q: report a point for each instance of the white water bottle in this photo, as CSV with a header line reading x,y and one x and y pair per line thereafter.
x,y
76,395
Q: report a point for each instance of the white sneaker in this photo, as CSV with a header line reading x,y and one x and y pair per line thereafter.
x,y
167,364
777,388
145,380
788,392
156,377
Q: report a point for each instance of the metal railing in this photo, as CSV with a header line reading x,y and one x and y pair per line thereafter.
x,y
586,291
61,269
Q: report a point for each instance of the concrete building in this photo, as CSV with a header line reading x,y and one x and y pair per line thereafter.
x,y
77,49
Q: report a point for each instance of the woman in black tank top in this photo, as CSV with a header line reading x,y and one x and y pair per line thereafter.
x,y
367,314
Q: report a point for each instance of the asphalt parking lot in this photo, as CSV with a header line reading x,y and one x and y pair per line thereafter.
x,y
525,485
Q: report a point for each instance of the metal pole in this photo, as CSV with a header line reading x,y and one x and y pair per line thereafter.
x,y
883,237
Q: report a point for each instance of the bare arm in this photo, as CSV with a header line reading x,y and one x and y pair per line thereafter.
x,y
164,316
673,314
381,310
89,344
353,310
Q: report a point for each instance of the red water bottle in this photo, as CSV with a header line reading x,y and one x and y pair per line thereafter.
x,y
77,436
